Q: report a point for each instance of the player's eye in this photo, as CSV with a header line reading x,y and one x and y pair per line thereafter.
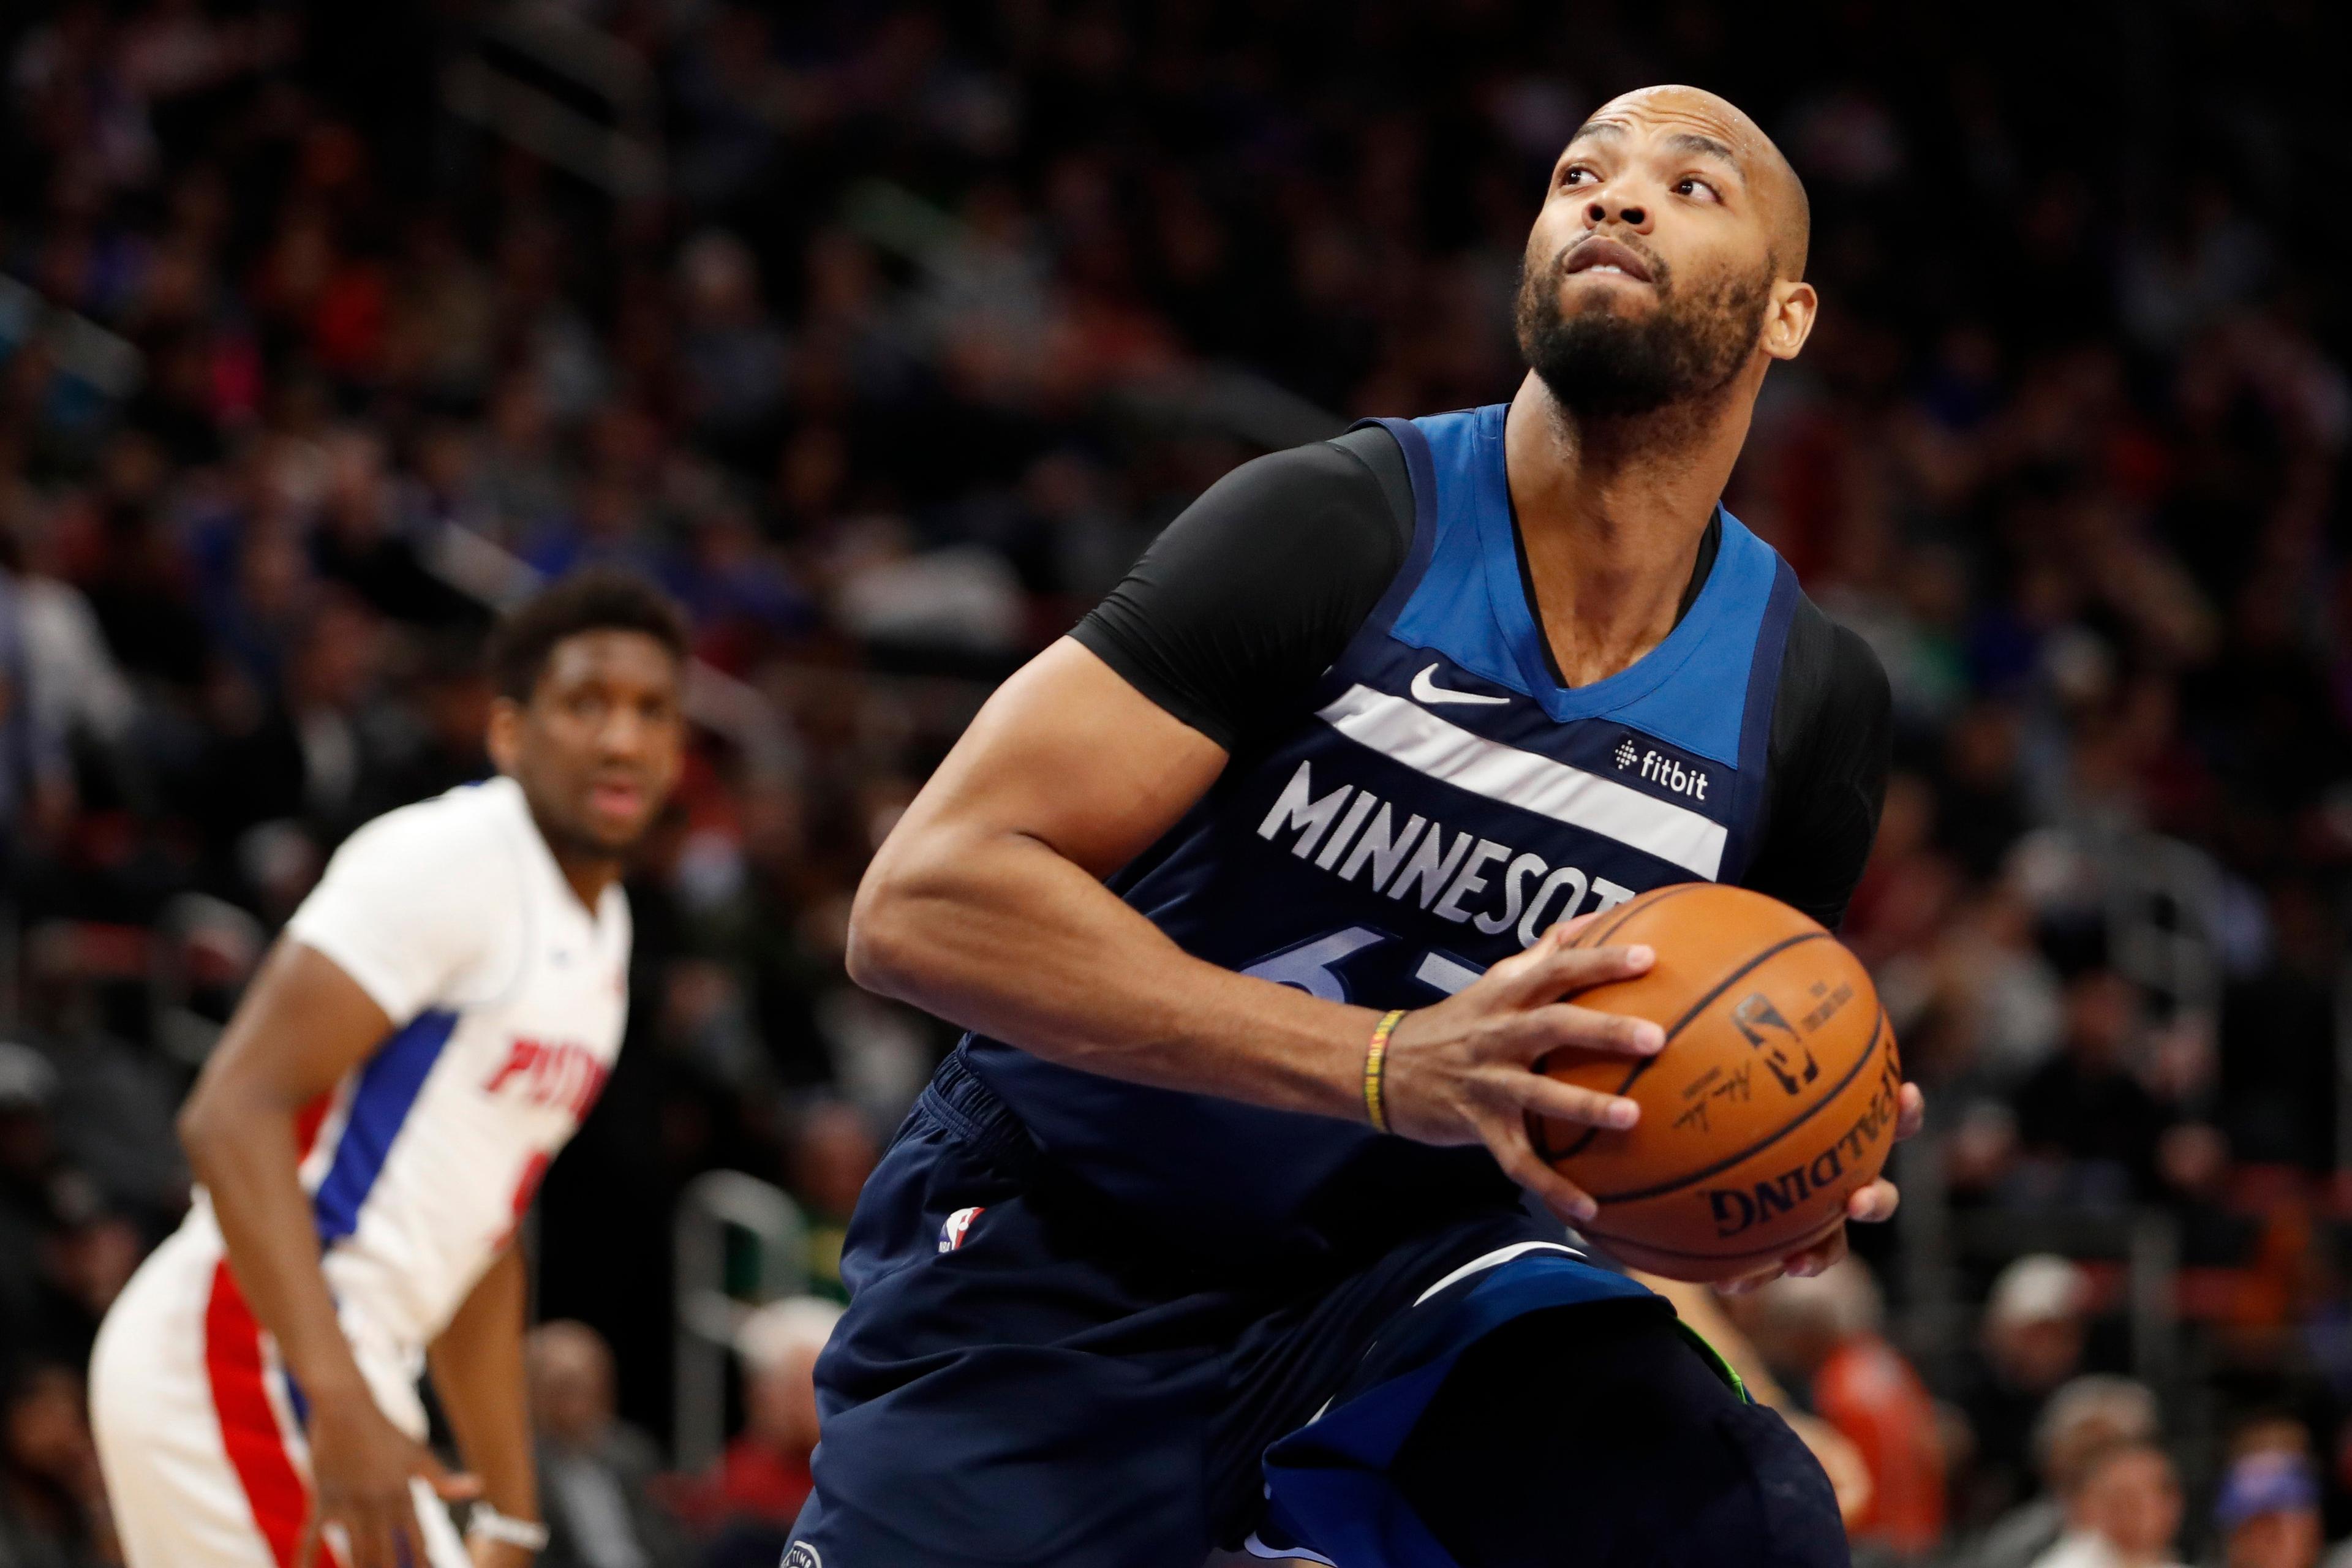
x,y
1692,186
1575,174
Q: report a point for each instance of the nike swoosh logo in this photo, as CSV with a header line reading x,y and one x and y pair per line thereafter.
x,y
1425,689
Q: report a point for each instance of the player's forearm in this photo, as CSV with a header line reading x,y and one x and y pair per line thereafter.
x,y
477,1373
242,1148
1000,934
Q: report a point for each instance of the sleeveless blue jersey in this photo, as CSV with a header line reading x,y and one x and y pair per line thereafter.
x,y
1441,802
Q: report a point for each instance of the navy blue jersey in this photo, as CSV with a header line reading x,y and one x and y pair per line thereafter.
x,y
1437,804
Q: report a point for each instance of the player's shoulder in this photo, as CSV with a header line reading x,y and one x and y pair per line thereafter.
x,y
424,907
458,838
1355,484
1828,668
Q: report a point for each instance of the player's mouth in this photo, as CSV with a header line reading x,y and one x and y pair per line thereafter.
x,y
1607,258
617,799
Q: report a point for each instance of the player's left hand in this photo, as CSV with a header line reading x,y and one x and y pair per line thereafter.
x,y
1870,1205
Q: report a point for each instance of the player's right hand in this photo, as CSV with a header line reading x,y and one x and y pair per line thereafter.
x,y
1461,1071
360,1469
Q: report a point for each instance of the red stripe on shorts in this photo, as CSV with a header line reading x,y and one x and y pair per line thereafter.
x,y
248,1424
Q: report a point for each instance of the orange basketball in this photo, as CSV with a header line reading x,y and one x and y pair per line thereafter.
x,y
1773,1100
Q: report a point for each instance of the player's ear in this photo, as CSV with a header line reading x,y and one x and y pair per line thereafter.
x,y
1788,319
505,737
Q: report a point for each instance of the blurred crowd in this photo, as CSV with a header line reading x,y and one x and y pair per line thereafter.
x,y
884,335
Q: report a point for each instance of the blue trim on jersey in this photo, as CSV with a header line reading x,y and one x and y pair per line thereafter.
x,y
1470,605
388,1091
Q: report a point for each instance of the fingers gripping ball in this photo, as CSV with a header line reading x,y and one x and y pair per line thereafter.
x,y
1773,1101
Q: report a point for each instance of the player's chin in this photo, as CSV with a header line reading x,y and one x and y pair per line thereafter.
x,y
614,832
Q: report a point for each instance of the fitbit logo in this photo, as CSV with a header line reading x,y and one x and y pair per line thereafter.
x,y
1658,768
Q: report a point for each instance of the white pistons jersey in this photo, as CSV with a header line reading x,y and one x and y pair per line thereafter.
x,y
507,997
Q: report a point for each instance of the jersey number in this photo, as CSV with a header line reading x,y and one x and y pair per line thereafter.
x,y
1312,965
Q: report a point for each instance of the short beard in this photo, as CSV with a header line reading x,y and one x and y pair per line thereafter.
x,y
1600,365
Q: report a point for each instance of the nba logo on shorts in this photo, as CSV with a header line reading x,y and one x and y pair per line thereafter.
x,y
801,1554
951,1233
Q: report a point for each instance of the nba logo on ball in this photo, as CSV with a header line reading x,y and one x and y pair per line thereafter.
x,y
951,1233
801,1555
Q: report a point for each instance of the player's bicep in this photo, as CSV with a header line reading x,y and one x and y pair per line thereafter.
x,y
1068,754
303,1023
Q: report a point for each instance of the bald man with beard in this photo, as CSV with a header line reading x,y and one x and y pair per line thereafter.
x,y
1222,1226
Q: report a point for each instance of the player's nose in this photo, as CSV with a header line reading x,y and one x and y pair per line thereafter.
x,y
1610,205
625,734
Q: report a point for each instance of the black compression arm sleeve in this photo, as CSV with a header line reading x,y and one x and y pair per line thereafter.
x,y
1238,608
1832,742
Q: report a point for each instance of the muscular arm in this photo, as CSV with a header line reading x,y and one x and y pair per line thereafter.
x,y
986,904
302,1026
478,1372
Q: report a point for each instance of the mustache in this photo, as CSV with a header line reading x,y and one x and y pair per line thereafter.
x,y
1661,272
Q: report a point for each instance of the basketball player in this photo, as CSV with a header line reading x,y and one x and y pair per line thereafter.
x,y
441,1014
1168,1255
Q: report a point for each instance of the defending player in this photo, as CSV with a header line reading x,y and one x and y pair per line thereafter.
x,y
1143,1272
441,1014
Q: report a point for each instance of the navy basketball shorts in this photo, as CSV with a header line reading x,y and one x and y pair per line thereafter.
x,y
1021,1379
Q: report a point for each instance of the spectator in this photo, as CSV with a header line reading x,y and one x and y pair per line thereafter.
x,y
2268,1512
52,1501
2034,1326
2085,1106
833,1155
2084,1418
1824,1332
2122,1512
594,1471
28,1088
763,1478
33,778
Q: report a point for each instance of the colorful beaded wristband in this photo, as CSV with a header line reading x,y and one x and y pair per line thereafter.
x,y
1376,1057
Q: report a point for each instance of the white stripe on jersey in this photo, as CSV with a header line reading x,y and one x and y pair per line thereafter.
x,y
1426,743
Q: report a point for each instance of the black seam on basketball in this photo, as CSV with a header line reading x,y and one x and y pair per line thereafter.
x,y
1878,1033
1600,934
1633,1073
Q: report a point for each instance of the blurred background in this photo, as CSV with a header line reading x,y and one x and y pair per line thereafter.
x,y
884,335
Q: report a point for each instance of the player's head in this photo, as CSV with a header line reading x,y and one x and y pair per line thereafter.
x,y
590,714
1668,262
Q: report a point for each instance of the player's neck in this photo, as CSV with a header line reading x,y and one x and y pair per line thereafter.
x,y
588,877
587,871
1611,512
